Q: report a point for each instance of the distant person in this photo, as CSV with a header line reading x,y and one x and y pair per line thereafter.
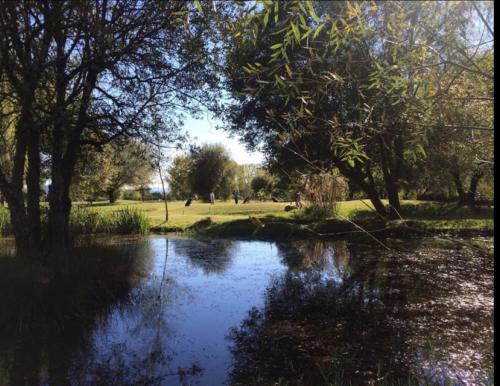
x,y
298,201
236,195
246,200
188,202
212,198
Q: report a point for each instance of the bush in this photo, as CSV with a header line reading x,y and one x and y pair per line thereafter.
x,y
5,227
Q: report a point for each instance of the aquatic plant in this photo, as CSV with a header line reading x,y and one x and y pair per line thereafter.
x,y
129,221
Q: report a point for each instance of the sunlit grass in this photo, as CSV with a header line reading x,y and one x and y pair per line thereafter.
x,y
431,214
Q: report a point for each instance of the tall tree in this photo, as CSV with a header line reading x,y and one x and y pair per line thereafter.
x,y
86,74
344,84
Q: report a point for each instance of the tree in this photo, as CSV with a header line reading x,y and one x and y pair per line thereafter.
x,y
212,171
130,164
347,85
92,174
86,74
109,170
262,182
179,177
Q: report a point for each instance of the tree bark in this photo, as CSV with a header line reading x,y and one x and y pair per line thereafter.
x,y
390,183
470,197
460,188
34,239
111,196
356,176
60,207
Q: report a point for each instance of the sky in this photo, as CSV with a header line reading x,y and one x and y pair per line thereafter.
x,y
203,131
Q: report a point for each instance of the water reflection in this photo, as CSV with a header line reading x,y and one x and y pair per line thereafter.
x,y
163,311
213,256
399,317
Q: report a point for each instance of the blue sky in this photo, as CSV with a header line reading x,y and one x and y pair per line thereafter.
x,y
204,131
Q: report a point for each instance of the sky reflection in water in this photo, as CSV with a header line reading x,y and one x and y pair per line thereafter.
x,y
218,311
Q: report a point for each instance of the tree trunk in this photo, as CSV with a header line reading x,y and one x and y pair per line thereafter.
x,y
111,196
20,229
390,184
470,197
460,188
60,208
34,239
357,177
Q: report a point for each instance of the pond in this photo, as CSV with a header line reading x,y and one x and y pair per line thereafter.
x,y
183,311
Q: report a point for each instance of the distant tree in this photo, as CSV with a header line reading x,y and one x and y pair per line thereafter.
x,y
93,172
179,177
243,179
230,180
212,171
262,182
130,164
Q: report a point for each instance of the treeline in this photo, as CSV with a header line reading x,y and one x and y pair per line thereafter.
x,y
209,168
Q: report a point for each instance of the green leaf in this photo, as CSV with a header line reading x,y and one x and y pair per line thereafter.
x,y
421,149
312,12
318,30
350,162
276,46
266,18
296,32
276,9
198,6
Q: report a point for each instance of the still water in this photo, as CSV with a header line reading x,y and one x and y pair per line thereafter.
x,y
183,311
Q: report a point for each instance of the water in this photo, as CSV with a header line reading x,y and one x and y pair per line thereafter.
x,y
180,311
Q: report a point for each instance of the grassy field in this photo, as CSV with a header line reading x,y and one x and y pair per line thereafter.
x,y
430,215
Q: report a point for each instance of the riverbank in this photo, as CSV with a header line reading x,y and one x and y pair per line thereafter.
x,y
269,220
354,218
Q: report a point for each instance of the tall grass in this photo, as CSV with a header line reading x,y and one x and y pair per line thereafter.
x,y
126,221
83,221
129,221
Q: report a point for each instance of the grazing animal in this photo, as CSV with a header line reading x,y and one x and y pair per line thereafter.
x,y
188,202
246,200
275,199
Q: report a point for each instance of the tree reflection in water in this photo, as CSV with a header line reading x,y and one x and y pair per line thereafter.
x,y
212,256
57,324
370,320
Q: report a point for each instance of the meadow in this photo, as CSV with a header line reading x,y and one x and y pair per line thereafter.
x,y
430,215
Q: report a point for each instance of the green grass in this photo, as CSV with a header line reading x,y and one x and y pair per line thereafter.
x,y
227,218
422,214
